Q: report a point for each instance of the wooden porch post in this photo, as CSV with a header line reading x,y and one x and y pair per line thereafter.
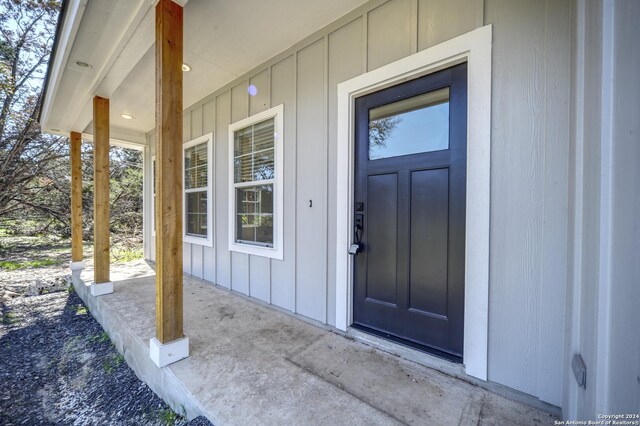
x,y
101,283
170,345
76,202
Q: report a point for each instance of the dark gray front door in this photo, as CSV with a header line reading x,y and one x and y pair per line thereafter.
x,y
410,211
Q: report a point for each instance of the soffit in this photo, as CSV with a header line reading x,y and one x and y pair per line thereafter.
x,y
223,39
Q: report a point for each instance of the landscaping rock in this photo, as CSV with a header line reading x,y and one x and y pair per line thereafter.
x,y
45,286
57,366
199,421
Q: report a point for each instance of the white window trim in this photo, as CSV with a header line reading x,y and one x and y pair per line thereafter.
x,y
208,138
153,198
277,251
474,48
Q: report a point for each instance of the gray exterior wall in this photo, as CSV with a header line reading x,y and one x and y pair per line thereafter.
x,y
604,273
529,161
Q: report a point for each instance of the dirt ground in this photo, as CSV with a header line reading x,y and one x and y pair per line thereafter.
x,y
22,252
57,365
35,265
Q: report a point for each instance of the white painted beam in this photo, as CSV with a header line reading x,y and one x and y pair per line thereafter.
x,y
118,139
132,43
73,17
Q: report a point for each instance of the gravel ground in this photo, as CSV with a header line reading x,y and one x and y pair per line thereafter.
x,y
57,365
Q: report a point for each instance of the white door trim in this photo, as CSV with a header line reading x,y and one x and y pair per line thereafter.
x,y
474,48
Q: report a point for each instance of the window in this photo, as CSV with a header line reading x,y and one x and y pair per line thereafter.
x,y
255,193
197,202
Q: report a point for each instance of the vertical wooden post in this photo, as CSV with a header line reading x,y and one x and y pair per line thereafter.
x,y
76,197
169,171
101,189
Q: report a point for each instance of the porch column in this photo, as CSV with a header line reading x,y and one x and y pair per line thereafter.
x,y
76,203
101,283
169,345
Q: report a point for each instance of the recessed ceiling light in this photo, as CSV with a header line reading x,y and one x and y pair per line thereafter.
x,y
186,67
127,116
83,64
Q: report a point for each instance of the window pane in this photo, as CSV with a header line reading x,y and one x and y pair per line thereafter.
x,y
243,168
200,154
263,135
197,214
263,165
410,126
254,215
247,201
195,166
253,152
189,179
243,141
201,177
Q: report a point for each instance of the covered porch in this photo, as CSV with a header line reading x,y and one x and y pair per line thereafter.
x,y
251,364
184,81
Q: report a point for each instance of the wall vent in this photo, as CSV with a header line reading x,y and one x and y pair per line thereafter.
x,y
579,370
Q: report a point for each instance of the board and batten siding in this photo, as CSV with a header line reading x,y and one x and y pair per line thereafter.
x,y
529,160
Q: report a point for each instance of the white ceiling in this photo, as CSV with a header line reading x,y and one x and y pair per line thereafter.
x,y
223,39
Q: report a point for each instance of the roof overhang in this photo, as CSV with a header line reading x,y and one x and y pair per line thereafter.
x,y
223,39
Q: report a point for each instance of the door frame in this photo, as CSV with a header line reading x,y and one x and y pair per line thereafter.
x,y
474,48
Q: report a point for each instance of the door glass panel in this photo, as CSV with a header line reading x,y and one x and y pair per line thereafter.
x,y
410,126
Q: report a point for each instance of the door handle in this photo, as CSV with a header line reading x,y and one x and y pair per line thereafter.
x,y
356,247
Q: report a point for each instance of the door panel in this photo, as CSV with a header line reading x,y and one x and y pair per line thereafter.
x,y
410,187
382,243
429,241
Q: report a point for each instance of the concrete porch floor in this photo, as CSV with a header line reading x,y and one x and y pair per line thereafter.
x,y
251,364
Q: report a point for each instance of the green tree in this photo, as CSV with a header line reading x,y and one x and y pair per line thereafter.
x,y
26,35
35,178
